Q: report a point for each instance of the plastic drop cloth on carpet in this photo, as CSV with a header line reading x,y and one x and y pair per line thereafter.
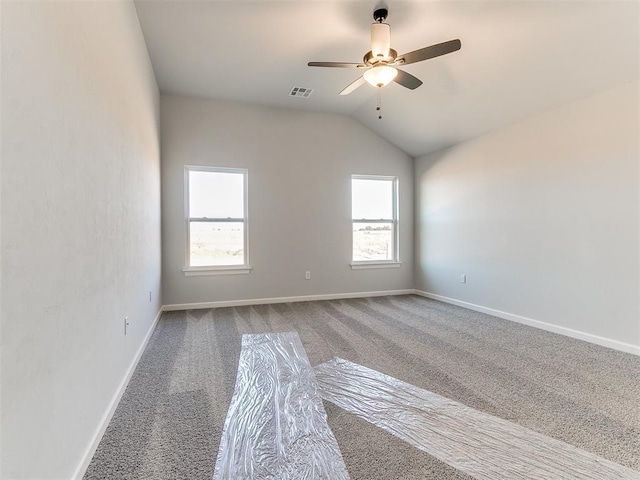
x,y
276,426
478,444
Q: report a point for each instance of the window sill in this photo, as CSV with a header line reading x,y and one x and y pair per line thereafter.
x,y
205,271
366,265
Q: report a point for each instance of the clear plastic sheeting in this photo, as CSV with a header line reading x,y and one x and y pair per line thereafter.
x,y
481,445
276,426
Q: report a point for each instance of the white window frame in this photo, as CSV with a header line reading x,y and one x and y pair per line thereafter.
x,y
395,261
216,269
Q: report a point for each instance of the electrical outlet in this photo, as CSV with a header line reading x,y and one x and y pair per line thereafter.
x,y
126,324
307,275
463,278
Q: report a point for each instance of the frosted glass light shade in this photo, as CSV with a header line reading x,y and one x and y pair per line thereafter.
x,y
381,75
380,41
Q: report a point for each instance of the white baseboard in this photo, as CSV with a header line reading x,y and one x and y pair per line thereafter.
x,y
587,337
263,301
106,418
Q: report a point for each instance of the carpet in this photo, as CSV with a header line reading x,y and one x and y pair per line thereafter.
x,y
169,421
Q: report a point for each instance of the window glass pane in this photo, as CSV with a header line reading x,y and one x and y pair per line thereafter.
x,y
216,243
372,199
372,241
216,195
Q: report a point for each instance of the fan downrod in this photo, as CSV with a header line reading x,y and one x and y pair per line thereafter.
x,y
380,15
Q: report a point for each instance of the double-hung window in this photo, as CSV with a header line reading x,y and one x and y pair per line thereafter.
x,y
216,220
374,214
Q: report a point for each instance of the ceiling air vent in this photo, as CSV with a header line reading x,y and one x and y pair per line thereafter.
x,y
300,92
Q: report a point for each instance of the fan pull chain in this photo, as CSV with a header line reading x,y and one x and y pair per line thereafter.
x,y
379,103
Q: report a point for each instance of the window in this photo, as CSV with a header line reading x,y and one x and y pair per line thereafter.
x,y
216,220
374,213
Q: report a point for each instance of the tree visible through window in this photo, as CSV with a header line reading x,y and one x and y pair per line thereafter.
x,y
216,217
375,219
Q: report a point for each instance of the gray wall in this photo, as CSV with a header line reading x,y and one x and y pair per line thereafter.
x,y
80,223
300,167
543,217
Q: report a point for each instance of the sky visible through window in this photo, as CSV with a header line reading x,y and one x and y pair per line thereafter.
x,y
372,199
216,195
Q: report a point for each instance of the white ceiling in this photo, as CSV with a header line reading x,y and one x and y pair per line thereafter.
x,y
518,58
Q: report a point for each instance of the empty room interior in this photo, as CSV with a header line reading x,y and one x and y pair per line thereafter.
x,y
262,239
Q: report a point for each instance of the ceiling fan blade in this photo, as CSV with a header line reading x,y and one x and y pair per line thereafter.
x,y
407,80
336,64
352,86
429,52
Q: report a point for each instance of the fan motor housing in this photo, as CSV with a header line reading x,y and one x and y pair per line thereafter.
x,y
370,61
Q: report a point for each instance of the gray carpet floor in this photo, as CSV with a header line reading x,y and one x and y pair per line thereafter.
x,y
169,421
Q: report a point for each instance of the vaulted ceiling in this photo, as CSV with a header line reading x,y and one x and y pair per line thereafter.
x,y
518,58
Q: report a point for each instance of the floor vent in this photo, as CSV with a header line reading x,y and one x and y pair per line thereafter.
x,y
300,92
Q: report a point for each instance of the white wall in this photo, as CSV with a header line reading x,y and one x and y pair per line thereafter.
x,y
543,217
300,167
80,223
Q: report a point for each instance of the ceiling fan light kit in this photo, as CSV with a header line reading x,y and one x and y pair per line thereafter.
x,y
381,60
380,75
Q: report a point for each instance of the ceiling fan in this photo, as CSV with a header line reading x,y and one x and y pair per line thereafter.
x,y
381,61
